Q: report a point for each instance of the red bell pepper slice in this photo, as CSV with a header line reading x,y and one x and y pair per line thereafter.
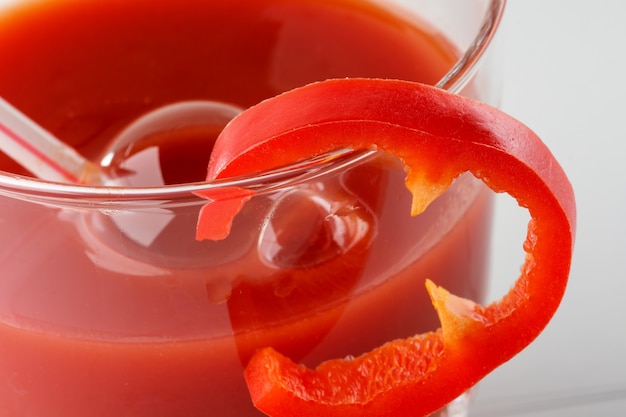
x,y
438,136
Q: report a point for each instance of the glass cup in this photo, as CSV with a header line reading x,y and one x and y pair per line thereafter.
x,y
109,306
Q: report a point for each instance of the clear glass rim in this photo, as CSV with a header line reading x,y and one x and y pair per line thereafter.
x,y
454,81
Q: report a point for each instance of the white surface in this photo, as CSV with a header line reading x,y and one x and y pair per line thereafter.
x,y
565,77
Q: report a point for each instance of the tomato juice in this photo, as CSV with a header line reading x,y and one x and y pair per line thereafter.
x,y
113,308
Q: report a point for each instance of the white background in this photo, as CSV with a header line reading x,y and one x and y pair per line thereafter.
x,y
565,77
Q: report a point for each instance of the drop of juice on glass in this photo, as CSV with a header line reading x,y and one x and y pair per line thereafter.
x,y
309,227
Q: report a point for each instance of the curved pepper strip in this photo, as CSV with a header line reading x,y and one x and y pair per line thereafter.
x,y
437,136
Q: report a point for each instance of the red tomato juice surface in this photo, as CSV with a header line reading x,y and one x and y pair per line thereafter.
x,y
100,318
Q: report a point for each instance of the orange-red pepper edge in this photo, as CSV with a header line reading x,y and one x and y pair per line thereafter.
x,y
438,136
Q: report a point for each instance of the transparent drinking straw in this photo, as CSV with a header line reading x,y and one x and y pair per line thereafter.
x,y
45,156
